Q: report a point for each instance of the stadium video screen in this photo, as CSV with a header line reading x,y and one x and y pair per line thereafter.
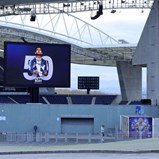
x,y
36,64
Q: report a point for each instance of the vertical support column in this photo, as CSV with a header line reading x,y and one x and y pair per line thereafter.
x,y
130,80
34,93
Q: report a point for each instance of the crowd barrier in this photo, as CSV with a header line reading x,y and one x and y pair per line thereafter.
x,y
66,138
54,138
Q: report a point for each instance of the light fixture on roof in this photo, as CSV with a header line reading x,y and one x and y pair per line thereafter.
x,y
66,5
99,12
33,16
24,40
113,11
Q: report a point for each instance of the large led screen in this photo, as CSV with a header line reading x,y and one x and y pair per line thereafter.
x,y
36,64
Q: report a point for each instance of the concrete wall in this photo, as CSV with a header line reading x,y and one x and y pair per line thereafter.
x,y
130,80
23,117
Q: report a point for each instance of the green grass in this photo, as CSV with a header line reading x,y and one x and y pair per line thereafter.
x,y
135,145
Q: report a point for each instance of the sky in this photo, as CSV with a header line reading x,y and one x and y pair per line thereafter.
x,y
124,24
107,76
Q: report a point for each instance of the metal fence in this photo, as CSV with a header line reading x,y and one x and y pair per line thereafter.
x,y
67,138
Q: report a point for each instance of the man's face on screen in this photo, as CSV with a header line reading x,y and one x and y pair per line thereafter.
x,y
38,52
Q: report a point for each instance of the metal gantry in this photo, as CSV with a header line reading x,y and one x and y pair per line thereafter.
x,y
66,27
71,6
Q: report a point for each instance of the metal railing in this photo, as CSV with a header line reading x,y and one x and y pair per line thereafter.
x,y
66,138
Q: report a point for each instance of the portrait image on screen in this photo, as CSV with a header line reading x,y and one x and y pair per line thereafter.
x,y
36,64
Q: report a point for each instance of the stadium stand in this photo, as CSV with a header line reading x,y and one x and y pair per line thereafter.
x,y
5,99
58,99
53,99
135,102
81,99
123,102
20,99
1,70
105,99
78,99
14,99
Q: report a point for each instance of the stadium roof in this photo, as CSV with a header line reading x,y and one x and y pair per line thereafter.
x,y
104,55
11,2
